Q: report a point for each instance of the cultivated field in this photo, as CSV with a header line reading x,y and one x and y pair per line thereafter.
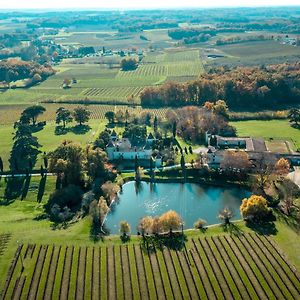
x,y
220,267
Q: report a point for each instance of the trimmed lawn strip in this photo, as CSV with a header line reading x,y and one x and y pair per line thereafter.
x,y
13,272
48,291
45,272
127,280
165,275
172,274
222,285
119,279
189,279
244,272
59,273
38,272
111,273
149,275
271,274
103,273
157,276
259,274
135,278
284,276
29,270
225,270
88,272
73,274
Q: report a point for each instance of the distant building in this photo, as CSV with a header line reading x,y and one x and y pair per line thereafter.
x,y
122,149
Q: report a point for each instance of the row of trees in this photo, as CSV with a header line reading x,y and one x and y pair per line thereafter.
x,y
80,114
242,88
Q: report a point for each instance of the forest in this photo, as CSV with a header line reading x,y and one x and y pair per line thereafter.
x,y
243,88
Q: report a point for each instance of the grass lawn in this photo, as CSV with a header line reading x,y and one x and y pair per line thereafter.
x,y
276,129
48,139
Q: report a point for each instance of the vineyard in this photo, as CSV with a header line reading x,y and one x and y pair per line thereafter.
x,y
11,113
220,267
4,239
109,93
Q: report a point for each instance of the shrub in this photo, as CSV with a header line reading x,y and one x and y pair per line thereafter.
x,y
199,224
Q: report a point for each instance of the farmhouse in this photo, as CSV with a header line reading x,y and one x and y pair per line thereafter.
x,y
120,148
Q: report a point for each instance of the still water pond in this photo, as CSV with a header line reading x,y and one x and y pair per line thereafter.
x,y
191,201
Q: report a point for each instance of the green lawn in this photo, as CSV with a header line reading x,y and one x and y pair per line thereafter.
x,y
48,139
276,129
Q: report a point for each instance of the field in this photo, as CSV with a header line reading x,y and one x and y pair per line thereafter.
x,y
274,129
256,53
103,82
219,267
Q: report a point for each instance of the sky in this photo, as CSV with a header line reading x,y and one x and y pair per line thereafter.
x,y
129,4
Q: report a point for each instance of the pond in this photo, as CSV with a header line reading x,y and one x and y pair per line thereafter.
x,y
191,201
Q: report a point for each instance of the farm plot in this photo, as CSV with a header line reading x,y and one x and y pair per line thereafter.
x,y
220,267
109,93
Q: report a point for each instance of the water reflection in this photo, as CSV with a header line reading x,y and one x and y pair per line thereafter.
x,y
191,201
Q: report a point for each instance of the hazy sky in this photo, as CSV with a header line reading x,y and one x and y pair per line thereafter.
x,y
139,3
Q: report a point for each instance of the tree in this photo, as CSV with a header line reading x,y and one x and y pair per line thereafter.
x,y
136,133
110,116
63,115
289,193
221,108
96,162
67,160
170,221
155,123
1,164
174,129
294,116
199,224
25,148
235,160
282,167
145,225
31,114
124,228
226,215
102,140
81,115
129,64
255,208
182,163
110,190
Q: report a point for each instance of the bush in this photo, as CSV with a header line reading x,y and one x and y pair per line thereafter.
x,y
199,224
70,196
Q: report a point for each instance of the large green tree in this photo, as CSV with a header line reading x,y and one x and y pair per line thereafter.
x,y
81,115
31,113
64,116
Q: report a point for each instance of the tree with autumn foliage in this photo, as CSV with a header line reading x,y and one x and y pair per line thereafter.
x,y
282,167
255,209
235,160
170,221
145,225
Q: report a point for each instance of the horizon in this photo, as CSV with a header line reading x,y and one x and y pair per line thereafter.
x,y
13,5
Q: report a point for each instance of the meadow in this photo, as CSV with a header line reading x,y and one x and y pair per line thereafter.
x,y
274,129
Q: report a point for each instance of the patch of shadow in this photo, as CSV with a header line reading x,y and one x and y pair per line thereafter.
x,y
263,228
78,129
232,229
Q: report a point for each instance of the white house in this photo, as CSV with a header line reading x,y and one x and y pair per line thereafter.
x,y
122,148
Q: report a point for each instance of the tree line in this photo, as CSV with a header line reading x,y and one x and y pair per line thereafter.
x,y
243,88
14,69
